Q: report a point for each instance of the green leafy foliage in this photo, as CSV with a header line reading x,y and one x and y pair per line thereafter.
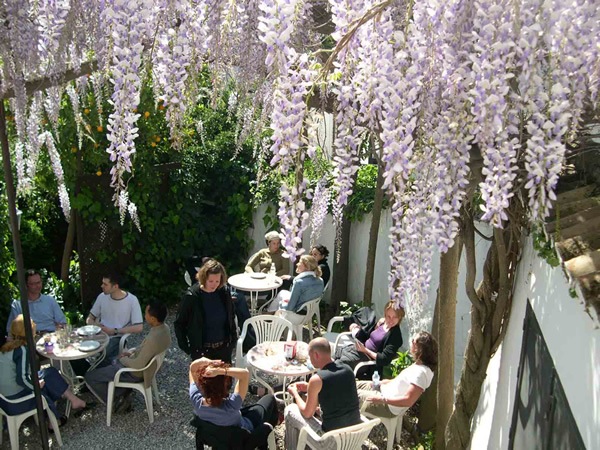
x,y
400,363
545,247
194,200
66,293
427,441
363,194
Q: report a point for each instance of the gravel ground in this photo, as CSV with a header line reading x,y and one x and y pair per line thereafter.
x,y
170,430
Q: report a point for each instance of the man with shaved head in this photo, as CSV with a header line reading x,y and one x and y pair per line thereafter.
x,y
327,402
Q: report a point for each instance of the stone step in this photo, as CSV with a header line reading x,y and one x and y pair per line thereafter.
x,y
573,219
591,225
575,194
575,206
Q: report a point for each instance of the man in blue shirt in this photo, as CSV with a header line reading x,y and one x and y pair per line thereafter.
x,y
43,309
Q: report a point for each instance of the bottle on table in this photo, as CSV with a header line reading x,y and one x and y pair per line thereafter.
x,y
376,381
272,271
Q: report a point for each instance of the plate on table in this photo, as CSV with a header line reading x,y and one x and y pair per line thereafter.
x,y
258,276
89,330
88,346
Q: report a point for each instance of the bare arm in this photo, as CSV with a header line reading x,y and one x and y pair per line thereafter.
x,y
407,400
138,328
307,408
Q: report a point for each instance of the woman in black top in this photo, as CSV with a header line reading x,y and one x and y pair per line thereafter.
x,y
320,253
380,345
205,325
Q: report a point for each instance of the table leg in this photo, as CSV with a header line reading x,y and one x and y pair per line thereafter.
x,y
99,359
285,396
260,380
253,302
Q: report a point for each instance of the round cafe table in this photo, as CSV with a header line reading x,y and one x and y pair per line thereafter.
x,y
255,283
269,357
64,352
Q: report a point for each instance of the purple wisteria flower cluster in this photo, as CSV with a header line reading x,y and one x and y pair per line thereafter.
x,y
430,82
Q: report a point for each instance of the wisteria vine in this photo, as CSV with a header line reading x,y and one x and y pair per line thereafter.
x,y
431,81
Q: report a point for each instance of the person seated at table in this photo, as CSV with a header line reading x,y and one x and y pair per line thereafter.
x,y
400,393
210,385
205,324
157,341
15,376
332,390
307,286
320,253
117,312
261,261
43,309
381,345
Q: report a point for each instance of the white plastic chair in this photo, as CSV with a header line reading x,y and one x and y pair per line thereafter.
x,y
337,339
349,438
14,422
267,328
123,342
393,425
299,320
147,386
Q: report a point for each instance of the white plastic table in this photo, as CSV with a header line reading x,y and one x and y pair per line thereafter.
x,y
269,357
255,283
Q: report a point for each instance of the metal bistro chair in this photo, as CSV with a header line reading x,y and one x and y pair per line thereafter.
x,y
14,422
147,386
349,438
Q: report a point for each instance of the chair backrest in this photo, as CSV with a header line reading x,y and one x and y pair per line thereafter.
x,y
15,402
220,437
352,438
311,306
149,372
268,328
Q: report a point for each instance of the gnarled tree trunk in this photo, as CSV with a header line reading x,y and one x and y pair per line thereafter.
x,y
491,304
446,303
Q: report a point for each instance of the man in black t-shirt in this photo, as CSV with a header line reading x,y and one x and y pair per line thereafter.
x,y
330,393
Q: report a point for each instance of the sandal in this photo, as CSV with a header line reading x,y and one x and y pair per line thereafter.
x,y
79,411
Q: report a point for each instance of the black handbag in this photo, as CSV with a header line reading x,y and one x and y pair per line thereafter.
x,y
364,317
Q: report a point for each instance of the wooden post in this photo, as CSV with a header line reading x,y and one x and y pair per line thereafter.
x,y
16,238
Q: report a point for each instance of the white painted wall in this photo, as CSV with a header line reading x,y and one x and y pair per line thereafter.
x,y
573,340
359,241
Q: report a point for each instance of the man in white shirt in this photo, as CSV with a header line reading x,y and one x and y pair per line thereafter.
x,y
117,312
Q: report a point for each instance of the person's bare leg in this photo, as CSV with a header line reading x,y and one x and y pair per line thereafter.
x,y
76,402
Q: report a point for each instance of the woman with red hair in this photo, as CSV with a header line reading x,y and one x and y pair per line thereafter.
x,y
210,384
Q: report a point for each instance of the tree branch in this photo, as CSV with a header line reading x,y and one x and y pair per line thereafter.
x,y
469,242
53,80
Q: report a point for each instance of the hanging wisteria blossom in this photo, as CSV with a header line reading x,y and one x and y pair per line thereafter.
x,y
432,82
